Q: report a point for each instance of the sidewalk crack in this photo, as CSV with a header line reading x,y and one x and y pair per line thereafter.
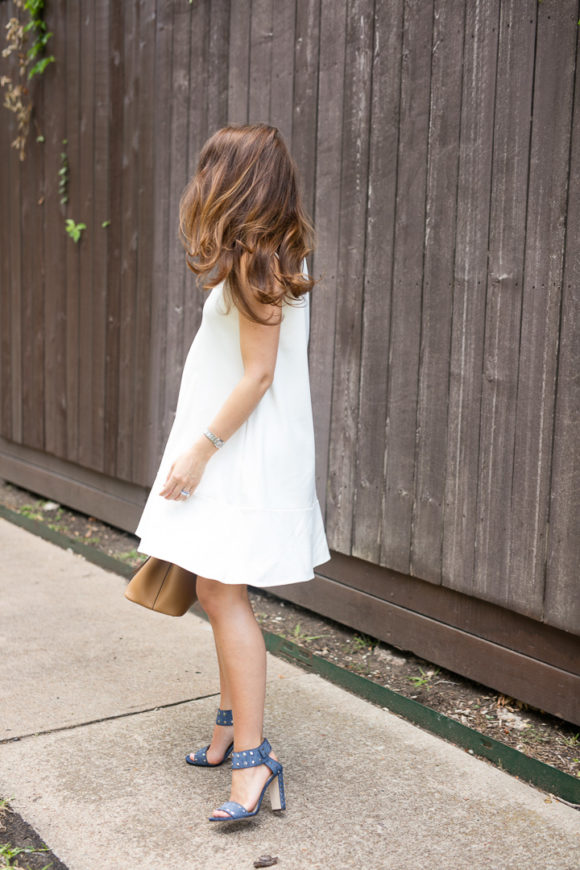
x,y
16,739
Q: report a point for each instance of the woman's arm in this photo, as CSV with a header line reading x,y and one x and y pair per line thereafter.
x,y
259,348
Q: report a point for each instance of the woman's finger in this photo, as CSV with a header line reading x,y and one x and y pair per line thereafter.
x,y
175,490
173,487
169,488
166,486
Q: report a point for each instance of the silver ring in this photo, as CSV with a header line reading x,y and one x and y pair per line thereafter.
x,y
185,493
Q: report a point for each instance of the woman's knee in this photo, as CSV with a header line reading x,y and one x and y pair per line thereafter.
x,y
215,597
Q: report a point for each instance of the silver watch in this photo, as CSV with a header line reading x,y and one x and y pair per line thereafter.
x,y
217,442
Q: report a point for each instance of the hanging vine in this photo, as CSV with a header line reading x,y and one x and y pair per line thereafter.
x,y
29,61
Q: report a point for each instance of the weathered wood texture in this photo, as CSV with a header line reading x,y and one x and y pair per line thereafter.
x,y
438,147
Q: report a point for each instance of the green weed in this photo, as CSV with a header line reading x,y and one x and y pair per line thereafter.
x,y
8,854
425,678
299,634
31,511
130,556
363,641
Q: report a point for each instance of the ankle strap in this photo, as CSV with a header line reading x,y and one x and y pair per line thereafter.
x,y
253,757
224,717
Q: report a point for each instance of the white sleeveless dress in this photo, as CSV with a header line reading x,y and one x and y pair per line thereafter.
x,y
254,517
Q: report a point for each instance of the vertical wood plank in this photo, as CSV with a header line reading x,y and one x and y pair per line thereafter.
x,y
73,78
407,281
161,169
55,327
540,319
16,291
562,602
203,77
7,266
351,261
513,110
260,61
145,211
217,71
303,144
282,76
33,275
327,222
127,336
303,141
371,443
209,73
438,259
239,62
100,235
177,146
86,243
114,237
470,280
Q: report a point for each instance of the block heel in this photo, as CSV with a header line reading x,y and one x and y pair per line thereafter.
x,y
277,792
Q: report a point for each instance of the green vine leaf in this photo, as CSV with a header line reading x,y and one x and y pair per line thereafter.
x,y
73,229
39,67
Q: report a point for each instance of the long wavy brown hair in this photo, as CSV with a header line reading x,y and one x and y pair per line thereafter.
x,y
241,209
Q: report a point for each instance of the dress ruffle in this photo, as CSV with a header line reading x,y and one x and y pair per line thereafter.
x,y
237,544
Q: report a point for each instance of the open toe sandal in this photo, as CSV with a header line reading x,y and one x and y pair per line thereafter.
x,y
252,758
224,717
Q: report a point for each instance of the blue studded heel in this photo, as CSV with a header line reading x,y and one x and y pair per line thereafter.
x,y
252,758
224,717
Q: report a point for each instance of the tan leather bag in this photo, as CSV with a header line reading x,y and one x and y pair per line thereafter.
x,y
162,586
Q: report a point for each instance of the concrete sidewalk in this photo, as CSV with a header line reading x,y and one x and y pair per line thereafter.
x,y
101,700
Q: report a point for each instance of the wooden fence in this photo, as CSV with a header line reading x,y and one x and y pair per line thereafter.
x,y
439,146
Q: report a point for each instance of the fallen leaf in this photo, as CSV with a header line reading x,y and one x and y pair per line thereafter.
x,y
265,861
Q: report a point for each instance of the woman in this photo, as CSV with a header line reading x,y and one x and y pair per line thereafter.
x,y
234,499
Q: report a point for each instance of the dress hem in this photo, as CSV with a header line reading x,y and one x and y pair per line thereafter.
x,y
159,553
256,547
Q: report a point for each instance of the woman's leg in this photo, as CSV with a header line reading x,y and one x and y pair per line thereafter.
x,y
242,657
222,734
225,694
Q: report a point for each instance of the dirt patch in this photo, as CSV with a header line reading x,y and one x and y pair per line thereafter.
x,y
531,731
20,846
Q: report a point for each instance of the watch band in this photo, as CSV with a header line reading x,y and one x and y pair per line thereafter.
x,y
217,442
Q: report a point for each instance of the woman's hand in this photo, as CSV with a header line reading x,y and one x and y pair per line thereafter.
x,y
186,471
